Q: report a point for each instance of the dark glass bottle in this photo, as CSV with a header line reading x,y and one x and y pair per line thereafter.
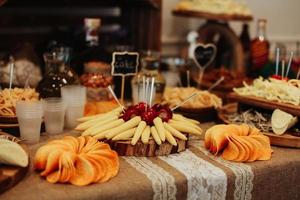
x,y
93,57
58,74
246,43
260,47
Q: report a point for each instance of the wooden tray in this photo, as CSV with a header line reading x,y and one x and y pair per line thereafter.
x,y
204,114
285,140
11,175
124,148
264,103
210,16
8,120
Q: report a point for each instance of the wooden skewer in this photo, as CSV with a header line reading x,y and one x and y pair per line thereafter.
x,y
196,93
188,78
138,88
216,83
147,91
289,64
277,59
186,100
144,82
11,73
151,91
298,73
115,97
282,69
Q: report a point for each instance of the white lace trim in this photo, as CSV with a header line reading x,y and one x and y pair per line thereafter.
x,y
163,184
243,173
205,181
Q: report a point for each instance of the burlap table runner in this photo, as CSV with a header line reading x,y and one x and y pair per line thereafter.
x,y
192,174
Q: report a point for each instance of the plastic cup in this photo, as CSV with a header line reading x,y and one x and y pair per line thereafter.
x,y
54,115
75,98
30,115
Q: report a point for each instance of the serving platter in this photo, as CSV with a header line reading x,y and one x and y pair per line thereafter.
x,y
8,119
124,148
264,103
285,140
210,16
203,114
11,175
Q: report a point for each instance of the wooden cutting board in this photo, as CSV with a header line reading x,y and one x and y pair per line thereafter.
x,y
124,148
285,140
264,103
11,175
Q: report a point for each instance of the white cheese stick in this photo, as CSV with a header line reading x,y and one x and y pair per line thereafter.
x,y
126,135
105,127
160,128
146,135
174,132
155,135
124,127
185,128
186,123
139,130
85,125
98,125
170,138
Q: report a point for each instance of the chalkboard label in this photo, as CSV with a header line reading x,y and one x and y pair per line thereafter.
x,y
124,63
205,54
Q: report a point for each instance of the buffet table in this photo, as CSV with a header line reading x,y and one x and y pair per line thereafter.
x,y
192,174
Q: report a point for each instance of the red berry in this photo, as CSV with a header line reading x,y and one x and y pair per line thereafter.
x,y
129,113
157,107
165,113
149,116
141,107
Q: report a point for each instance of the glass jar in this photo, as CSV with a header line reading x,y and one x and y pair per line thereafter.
x,y
58,74
150,64
96,86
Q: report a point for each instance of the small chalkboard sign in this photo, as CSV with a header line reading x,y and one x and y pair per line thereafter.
x,y
205,54
124,63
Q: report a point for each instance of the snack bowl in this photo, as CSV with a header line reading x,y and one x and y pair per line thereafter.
x,y
8,119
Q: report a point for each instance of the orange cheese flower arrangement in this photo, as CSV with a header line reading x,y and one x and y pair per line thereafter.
x,y
240,143
79,161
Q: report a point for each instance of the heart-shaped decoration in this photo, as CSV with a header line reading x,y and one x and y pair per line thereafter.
x,y
204,54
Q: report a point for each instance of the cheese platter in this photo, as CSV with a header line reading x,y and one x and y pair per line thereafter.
x,y
10,175
264,103
286,140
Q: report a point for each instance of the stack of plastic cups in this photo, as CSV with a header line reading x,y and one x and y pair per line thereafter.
x,y
75,98
54,115
30,115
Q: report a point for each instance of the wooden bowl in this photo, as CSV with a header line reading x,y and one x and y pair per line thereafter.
x,y
204,114
8,119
